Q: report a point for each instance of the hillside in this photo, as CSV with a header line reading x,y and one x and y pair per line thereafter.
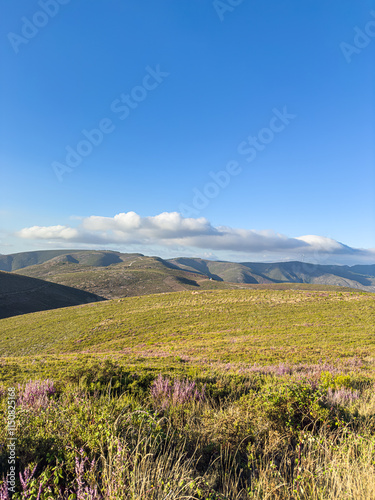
x,y
115,275
191,389
228,326
140,275
16,261
134,275
22,295
361,277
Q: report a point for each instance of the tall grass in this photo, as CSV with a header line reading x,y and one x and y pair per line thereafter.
x,y
277,438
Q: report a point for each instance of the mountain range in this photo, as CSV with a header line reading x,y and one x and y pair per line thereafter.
x,y
34,281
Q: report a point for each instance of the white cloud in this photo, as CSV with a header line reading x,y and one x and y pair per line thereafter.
x,y
171,230
49,232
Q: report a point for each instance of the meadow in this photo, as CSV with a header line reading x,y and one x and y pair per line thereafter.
x,y
217,395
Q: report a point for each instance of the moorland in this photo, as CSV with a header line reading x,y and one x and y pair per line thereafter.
x,y
233,391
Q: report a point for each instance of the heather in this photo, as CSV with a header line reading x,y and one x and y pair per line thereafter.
x,y
242,395
265,434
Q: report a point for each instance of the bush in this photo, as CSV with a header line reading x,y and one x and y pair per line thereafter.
x,y
109,376
329,381
294,406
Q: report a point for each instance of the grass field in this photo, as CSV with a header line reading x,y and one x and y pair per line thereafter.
x,y
238,326
209,395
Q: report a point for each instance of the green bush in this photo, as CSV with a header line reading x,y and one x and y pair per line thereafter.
x,y
109,376
294,407
329,381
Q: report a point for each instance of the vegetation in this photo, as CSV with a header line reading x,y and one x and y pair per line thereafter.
x,y
232,326
114,274
120,435
134,275
22,260
92,275
216,395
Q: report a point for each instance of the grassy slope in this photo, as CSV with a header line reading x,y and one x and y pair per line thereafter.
x,y
21,260
242,326
264,429
49,265
139,275
136,276
271,435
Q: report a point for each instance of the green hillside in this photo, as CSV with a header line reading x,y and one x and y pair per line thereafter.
x,y
114,275
208,395
134,275
21,260
234,326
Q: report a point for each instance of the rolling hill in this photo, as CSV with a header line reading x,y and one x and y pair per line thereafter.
x,y
96,258
22,295
133,275
115,275
214,377
226,326
53,264
220,369
103,274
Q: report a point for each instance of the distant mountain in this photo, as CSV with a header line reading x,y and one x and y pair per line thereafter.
x,y
21,295
112,275
103,258
115,275
360,276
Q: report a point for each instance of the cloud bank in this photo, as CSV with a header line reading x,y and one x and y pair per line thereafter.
x,y
170,229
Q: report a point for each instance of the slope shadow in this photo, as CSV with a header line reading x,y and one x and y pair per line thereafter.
x,y
198,265
23,295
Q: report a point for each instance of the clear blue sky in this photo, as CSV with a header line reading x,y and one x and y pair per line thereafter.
x,y
221,72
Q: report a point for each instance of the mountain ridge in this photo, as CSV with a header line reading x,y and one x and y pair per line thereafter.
x,y
53,265
92,275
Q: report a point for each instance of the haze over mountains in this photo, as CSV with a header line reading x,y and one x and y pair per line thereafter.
x,y
35,281
362,277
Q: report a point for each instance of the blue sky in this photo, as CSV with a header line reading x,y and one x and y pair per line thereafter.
x,y
178,91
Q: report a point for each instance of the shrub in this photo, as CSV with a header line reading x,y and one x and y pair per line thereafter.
x,y
330,381
98,376
294,406
107,375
